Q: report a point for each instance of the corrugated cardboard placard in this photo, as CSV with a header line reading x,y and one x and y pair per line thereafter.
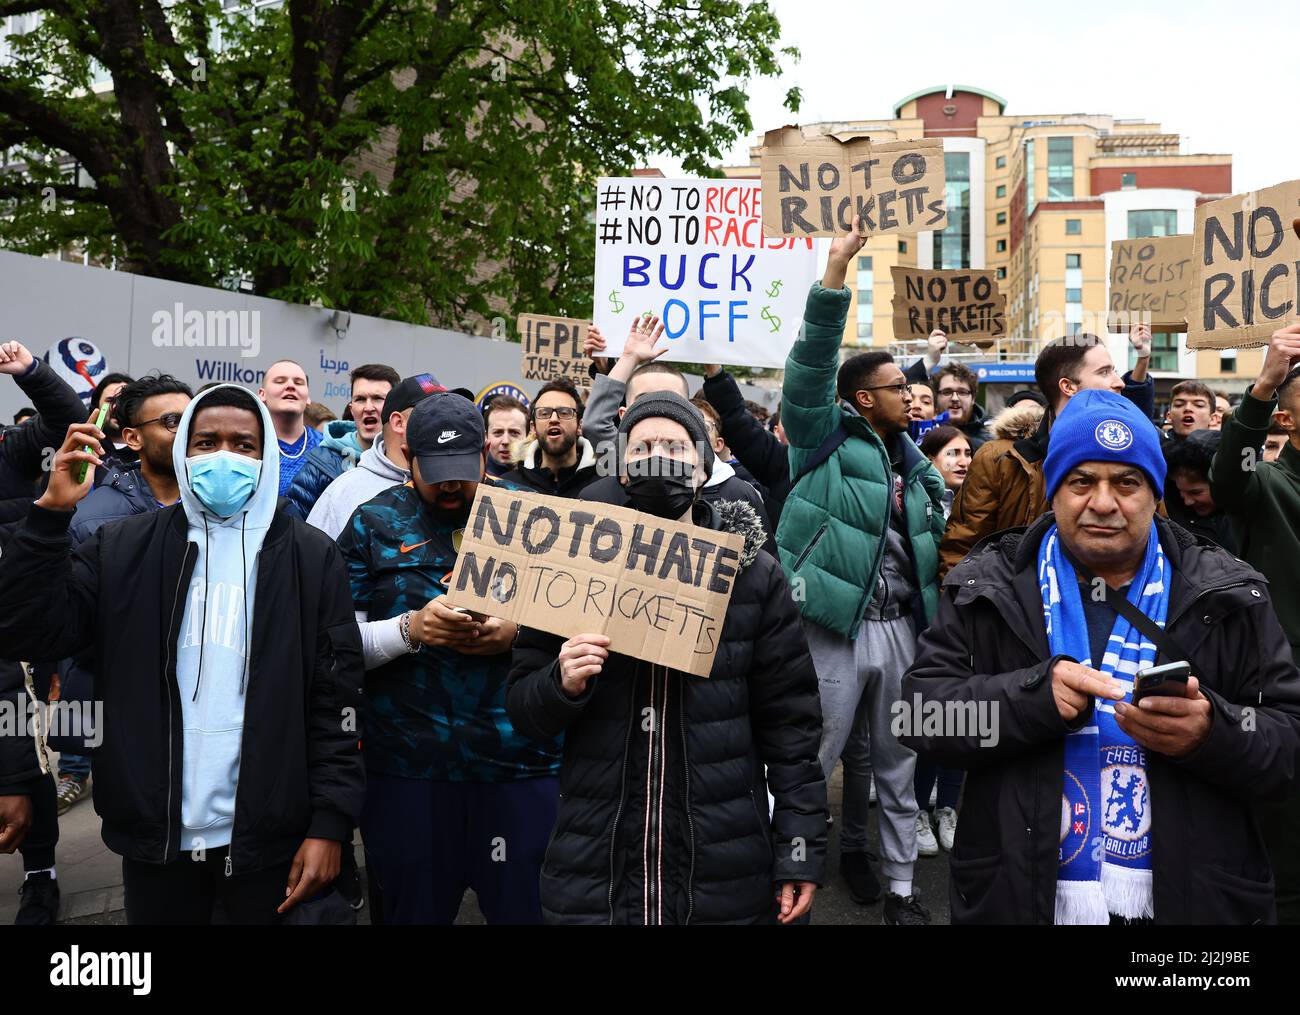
x,y
1248,265
658,589
1151,282
552,348
814,186
965,304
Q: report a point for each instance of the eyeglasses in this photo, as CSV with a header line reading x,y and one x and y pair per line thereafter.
x,y
901,387
563,411
955,392
170,420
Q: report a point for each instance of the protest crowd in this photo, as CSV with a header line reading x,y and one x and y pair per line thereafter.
x,y
958,607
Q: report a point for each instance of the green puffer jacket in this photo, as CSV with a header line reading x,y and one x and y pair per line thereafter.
x,y
832,528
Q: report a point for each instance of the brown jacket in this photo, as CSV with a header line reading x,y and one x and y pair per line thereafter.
x,y
1004,487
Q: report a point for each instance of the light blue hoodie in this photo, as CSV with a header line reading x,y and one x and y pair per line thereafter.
x,y
212,649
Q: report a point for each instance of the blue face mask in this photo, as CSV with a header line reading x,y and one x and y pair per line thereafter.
x,y
223,481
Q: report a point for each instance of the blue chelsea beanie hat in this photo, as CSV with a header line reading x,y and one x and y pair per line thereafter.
x,y
1101,426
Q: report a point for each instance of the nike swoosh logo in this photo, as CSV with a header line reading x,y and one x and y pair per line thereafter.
x,y
414,546
447,437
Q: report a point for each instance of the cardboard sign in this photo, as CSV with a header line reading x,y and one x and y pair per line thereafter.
x,y
1247,258
693,252
964,303
814,186
1151,282
552,348
658,589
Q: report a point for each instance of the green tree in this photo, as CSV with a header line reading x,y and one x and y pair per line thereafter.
x,y
416,160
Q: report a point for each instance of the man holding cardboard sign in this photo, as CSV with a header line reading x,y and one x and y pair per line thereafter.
x,y
664,784
455,797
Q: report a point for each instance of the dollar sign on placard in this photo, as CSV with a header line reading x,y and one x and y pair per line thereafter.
x,y
615,302
771,318
774,290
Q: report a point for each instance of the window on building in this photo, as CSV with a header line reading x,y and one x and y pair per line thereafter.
x,y
1002,190
864,264
1074,296
1128,181
1002,246
1001,162
864,295
1164,351
1073,227
1002,273
952,242
1002,218
864,329
1228,364
1152,222
1074,260
1030,193
902,246
1060,167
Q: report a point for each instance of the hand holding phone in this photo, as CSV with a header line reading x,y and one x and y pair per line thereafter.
x,y
99,419
1169,680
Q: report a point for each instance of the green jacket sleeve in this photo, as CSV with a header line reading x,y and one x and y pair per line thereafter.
x,y
809,405
1234,479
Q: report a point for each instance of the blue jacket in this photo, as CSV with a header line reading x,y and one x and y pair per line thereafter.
x,y
122,492
337,452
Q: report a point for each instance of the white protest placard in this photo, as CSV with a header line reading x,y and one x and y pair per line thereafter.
x,y
693,252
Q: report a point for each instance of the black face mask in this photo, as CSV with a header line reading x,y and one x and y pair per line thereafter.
x,y
661,486
662,496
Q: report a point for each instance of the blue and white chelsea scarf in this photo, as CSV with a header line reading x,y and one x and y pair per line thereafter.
x,y
1105,852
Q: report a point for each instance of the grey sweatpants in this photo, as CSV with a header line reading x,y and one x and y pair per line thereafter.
x,y
871,668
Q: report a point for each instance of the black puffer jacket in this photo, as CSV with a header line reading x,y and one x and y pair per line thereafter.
x,y
663,813
988,643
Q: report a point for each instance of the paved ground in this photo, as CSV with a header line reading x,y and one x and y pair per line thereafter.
x,y
90,878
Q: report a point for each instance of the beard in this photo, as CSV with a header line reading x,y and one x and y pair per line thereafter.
x,y
558,447
159,459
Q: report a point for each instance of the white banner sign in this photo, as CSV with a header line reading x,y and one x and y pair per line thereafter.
x,y
693,252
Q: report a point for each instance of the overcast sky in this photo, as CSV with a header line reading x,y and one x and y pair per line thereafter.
x,y
1225,76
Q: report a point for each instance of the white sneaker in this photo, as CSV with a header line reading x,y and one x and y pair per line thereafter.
x,y
925,843
946,819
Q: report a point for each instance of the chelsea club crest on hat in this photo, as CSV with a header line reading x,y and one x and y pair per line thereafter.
x,y
1101,426
1113,434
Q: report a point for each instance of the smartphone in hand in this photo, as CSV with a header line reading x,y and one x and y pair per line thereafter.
x,y
1169,680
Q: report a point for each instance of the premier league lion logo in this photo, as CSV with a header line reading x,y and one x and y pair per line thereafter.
x,y
79,362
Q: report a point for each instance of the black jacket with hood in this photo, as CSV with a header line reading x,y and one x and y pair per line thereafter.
x,y
666,821
988,644
121,594
570,482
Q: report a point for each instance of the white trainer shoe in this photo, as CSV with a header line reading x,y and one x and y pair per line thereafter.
x,y
925,841
946,819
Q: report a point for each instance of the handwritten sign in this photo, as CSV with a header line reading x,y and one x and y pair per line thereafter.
x,y
693,252
658,589
552,348
814,186
1150,283
1248,268
963,303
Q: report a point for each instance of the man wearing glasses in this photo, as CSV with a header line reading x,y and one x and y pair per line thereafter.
x,y
859,541
557,459
148,411
955,388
